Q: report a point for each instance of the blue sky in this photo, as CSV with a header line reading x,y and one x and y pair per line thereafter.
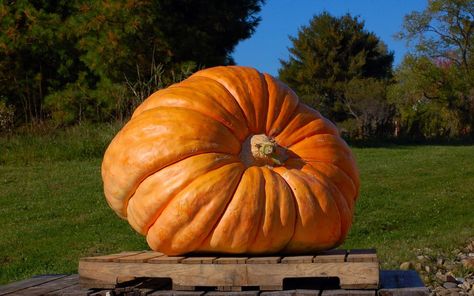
x,y
283,18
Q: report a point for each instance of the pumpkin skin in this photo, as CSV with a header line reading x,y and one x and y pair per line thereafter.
x,y
184,173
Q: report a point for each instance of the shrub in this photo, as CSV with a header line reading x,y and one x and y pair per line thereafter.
x,y
7,117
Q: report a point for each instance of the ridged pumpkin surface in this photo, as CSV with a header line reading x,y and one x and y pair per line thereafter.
x,y
188,170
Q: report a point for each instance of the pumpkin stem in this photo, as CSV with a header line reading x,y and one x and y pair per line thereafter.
x,y
261,150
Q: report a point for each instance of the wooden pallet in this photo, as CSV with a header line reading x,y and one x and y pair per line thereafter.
x,y
353,269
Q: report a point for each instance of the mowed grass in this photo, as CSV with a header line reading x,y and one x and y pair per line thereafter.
x,y
52,210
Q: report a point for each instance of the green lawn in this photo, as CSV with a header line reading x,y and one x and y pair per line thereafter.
x,y
52,210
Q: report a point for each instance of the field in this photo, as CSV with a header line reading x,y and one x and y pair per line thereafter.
x,y
52,210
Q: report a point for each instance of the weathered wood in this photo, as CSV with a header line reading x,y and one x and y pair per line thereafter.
x,y
271,287
227,293
292,293
419,291
231,260
330,256
166,260
102,293
229,289
352,275
199,260
140,257
362,255
92,283
74,290
297,259
264,260
111,257
176,293
31,282
348,293
50,287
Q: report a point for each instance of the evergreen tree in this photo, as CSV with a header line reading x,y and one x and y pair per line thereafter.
x,y
70,59
326,55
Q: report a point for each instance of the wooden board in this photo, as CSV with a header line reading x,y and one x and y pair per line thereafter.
x,y
34,281
233,273
50,287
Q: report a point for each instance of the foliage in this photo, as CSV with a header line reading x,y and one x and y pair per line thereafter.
x,y
326,55
70,59
444,30
366,101
7,117
435,84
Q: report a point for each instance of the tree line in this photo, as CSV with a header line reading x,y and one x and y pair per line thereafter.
x,y
85,60
346,72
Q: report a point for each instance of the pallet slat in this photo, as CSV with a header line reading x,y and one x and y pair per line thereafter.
x,y
363,255
140,257
166,260
231,260
263,260
331,256
292,293
199,260
297,259
348,293
111,257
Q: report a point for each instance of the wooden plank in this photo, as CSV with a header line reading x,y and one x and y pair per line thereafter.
x,y
229,289
334,255
349,293
198,260
352,275
292,293
103,293
109,258
271,287
176,293
227,293
331,256
166,260
264,260
31,282
140,257
74,290
231,260
297,259
419,291
92,283
362,255
49,287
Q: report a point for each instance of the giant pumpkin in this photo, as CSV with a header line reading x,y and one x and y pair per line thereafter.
x,y
230,161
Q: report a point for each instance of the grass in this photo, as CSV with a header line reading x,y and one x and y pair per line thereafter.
x,y
52,210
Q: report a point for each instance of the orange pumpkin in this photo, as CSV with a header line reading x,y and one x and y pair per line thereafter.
x,y
230,161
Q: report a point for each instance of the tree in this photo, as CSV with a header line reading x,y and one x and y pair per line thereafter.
x,y
444,30
435,83
73,57
366,101
329,53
